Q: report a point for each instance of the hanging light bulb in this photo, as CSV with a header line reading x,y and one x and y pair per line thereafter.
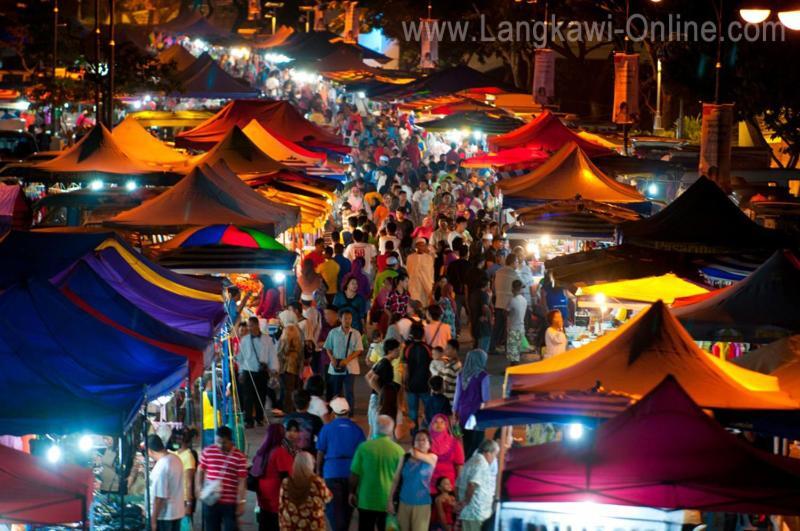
x,y
790,19
754,15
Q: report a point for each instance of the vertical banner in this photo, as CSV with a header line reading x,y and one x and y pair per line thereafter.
x,y
626,88
351,25
544,76
253,9
429,44
715,143
319,18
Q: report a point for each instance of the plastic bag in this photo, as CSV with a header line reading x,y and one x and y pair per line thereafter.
x,y
392,524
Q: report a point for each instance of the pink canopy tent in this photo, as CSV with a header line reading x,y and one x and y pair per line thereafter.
x,y
34,493
663,452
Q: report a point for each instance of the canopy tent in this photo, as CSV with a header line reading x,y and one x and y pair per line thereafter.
x,y
240,154
291,154
462,105
571,219
309,46
191,305
780,359
587,407
663,452
207,196
57,391
566,175
192,23
344,58
758,309
276,39
453,80
491,122
314,211
96,155
620,262
701,220
226,249
206,79
508,159
634,358
139,145
546,133
38,494
177,54
666,288
279,117
15,213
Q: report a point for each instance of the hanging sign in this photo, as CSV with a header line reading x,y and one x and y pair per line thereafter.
x,y
544,76
626,88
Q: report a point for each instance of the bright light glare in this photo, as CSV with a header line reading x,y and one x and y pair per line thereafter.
x,y
575,431
754,16
240,53
163,400
85,443
130,186
477,135
137,104
279,277
600,298
304,77
276,58
532,247
652,189
361,94
95,185
790,19
20,105
545,239
53,454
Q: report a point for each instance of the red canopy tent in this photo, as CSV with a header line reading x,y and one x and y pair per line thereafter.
x,y
509,159
546,133
663,452
276,116
34,493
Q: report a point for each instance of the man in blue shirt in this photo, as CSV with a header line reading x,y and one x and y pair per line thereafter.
x,y
336,445
344,263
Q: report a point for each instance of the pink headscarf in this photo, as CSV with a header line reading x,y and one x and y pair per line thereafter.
x,y
442,441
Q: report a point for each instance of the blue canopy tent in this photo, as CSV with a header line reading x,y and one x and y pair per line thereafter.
x,y
65,371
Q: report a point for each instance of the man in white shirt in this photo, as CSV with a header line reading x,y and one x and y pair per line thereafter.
x,y
359,248
460,231
503,281
422,199
258,353
166,487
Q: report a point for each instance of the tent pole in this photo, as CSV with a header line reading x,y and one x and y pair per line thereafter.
x,y
120,480
501,464
147,514
214,393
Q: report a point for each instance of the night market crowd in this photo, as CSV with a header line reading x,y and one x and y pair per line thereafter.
x,y
416,265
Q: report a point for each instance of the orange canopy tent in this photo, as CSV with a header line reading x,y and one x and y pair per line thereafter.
x,y
568,174
636,357
139,145
781,359
95,153
280,148
547,133
508,159
241,155
278,116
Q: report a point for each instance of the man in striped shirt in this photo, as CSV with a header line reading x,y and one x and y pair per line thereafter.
x,y
450,368
222,461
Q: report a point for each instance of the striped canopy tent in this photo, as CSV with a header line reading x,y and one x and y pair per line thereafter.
x,y
568,174
138,144
571,219
227,249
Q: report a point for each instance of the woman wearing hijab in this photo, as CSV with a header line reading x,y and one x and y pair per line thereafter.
x,y
472,391
272,463
303,497
448,448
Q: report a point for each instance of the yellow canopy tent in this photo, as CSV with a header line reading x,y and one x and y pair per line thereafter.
x,y
599,140
637,356
649,289
567,174
179,119
281,149
139,145
780,359
313,212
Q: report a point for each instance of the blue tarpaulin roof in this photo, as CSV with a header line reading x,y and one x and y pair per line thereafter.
x,y
65,371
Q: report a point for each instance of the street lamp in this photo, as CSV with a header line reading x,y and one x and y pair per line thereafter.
x,y
790,19
755,12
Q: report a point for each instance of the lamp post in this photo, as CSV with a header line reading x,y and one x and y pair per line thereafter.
x,y
111,58
54,89
657,119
